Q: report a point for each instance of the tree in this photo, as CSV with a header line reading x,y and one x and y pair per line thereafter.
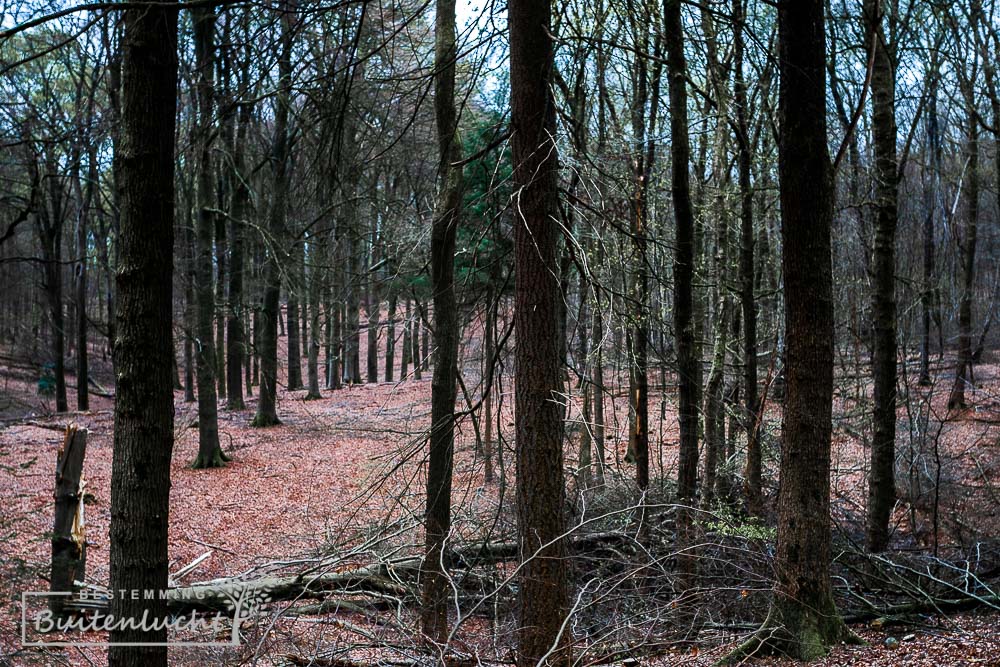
x,y
543,593
209,452
967,75
881,483
144,403
267,414
443,392
680,187
803,621
754,500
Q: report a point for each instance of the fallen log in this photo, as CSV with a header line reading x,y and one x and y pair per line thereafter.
x,y
226,595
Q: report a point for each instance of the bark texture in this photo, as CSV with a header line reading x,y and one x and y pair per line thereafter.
x,y
543,593
881,483
443,391
144,406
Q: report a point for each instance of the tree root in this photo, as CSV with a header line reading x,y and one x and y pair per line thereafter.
x,y
217,459
264,421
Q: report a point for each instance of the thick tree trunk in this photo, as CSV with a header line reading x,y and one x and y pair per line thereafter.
x,y
189,308
352,314
543,592
209,453
881,483
415,340
688,357
144,406
82,371
317,271
803,622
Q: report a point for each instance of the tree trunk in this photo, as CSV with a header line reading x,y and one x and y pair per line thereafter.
x,y
209,453
267,414
803,622
390,339
407,345
235,339
688,358
415,340
543,592
752,474
317,270
144,405
293,285
881,484
447,217
963,372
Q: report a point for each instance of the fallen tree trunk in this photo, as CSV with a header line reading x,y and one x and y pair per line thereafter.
x,y
393,579
225,594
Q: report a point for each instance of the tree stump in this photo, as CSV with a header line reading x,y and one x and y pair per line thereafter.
x,y
69,544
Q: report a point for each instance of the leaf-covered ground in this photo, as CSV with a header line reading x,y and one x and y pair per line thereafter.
x,y
345,469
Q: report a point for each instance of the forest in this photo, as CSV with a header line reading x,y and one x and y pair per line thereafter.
x,y
344,333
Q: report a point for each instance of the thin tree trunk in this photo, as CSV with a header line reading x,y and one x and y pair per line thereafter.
x,y
267,414
390,339
447,217
293,286
752,488
882,485
209,452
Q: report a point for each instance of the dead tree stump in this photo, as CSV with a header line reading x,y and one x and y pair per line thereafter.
x,y
69,544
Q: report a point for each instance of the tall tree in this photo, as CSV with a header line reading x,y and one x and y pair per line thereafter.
x,y
267,414
803,621
443,391
144,401
209,452
680,186
754,500
881,483
543,593
967,75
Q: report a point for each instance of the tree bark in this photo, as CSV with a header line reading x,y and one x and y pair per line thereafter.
x,y
293,285
543,593
447,217
144,406
803,622
69,541
209,452
752,474
963,371
236,315
267,414
881,484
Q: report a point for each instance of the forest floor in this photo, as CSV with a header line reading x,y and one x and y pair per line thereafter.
x,y
343,475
